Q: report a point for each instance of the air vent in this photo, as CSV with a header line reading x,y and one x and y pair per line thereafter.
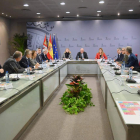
x,y
25,9
82,7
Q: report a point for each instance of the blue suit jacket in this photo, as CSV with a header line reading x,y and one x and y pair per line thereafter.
x,y
132,61
24,63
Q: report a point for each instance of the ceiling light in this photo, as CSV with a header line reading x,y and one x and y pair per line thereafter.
x,y
118,14
101,2
77,15
98,11
26,5
130,10
10,16
6,15
62,3
67,12
2,13
98,15
38,13
58,16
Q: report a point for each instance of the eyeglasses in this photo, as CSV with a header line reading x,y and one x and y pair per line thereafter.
x,y
123,50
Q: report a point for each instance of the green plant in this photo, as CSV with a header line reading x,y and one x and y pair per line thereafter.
x,y
77,96
20,42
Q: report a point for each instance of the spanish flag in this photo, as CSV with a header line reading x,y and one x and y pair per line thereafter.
x,y
50,49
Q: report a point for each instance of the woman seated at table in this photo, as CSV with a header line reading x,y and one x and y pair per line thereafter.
x,y
33,59
67,54
1,71
101,54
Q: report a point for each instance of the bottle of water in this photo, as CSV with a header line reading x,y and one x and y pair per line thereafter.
x,y
122,68
7,77
124,65
55,60
130,73
28,70
50,61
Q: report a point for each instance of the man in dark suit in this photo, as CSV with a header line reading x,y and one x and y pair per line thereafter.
x,y
44,55
120,55
81,55
125,58
1,71
39,57
12,64
25,61
132,59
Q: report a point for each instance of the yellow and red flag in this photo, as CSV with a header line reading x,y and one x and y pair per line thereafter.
x,y
50,49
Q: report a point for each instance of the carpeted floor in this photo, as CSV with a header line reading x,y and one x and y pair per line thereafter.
x,y
54,124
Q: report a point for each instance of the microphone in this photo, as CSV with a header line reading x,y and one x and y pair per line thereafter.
x,y
16,73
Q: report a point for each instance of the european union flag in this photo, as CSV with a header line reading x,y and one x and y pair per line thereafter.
x,y
55,51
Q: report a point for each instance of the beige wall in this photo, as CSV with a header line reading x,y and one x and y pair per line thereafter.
x,y
4,39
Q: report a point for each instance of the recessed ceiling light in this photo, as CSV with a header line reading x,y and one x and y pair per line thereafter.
x,y
98,15
62,3
101,2
10,16
58,16
67,12
6,15
2,13
77,15
118,14
38,13
26,5
98,11
130,10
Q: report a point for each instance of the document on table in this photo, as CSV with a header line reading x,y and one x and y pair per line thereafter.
x,y
130,111
134,86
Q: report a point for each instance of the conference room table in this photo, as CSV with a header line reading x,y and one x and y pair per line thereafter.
x,y
22,103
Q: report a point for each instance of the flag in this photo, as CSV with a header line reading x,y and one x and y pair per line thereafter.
x,y
50,49
55,51
45,42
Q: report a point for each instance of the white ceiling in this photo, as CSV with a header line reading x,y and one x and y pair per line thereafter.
x,y
52,8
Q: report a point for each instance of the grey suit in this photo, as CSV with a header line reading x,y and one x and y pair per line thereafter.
x,y
125,59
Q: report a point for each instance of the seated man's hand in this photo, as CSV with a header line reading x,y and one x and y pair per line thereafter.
x,y
83,58
46,61
30,69
132,67
117,63
120,65
36,66
1,70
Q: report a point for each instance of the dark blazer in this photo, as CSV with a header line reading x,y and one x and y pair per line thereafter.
x,y
1,74
24,62
80,55
137,69
39,58
44,57
12,66
120,58
132,61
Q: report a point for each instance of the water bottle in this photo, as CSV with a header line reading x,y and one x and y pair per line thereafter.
x,y
130,73
124,65
122,68
55,60
28,70
50,61
7,77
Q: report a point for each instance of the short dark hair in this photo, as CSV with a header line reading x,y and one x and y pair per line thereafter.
x,y
17,54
